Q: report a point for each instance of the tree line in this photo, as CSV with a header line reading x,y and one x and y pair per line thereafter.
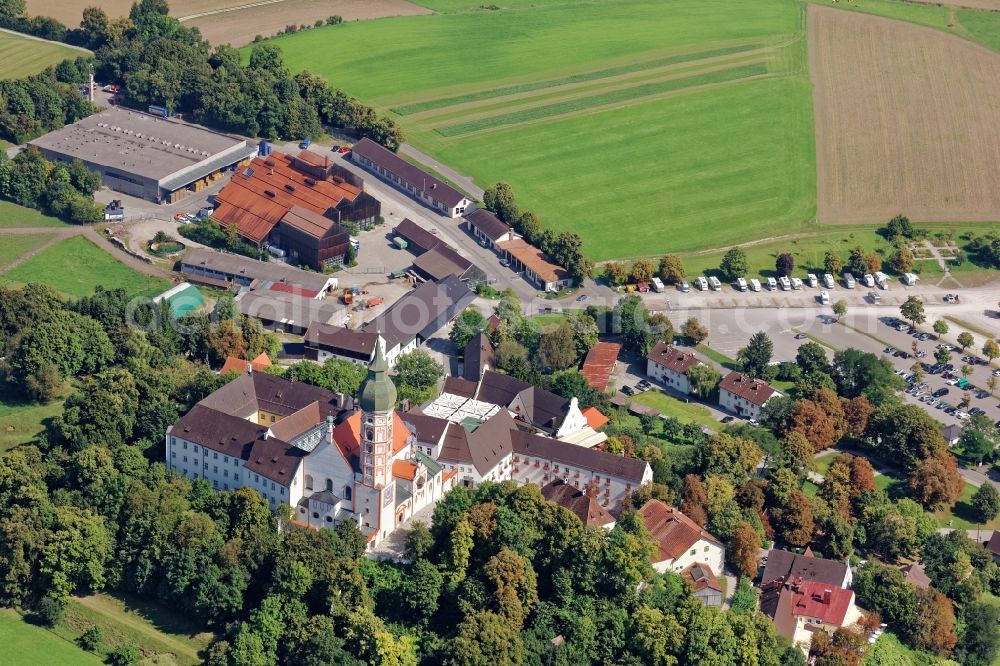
x,y
63,190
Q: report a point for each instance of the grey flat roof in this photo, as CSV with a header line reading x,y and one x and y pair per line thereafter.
x,y
138,143
292,310
268,271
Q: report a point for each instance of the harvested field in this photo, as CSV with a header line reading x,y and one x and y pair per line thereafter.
x,y
992,5
240,26
907,120
237,21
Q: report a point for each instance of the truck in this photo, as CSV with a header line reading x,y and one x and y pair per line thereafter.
x,y
714,283
347,296
741,284
848,280
657,284
400,243
755,284
372,302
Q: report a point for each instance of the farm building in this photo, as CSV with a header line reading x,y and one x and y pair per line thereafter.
x,y
220,269
323,342
182,299
436,260
416,182
296,204
600,364
282,311
536,265
486,226
145,156
418,315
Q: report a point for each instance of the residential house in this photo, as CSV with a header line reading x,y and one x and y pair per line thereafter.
x,y
743,395
488,228
416,182
786,565
600,364
303,446
579,503
993,545
704,584
801,608
916,575
668,365
680,542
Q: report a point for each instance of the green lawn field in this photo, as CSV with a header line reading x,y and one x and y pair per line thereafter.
x,y
22,56
15,246
13,216
23,644
20,421
686,128
685,412
76,267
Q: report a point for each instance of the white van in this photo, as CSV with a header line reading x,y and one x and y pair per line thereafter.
x,y
701,283
824,297
657,284
849,280
755,284
741,284
882,280
813,282
714,283
786,284
796,283
828,281
772,284
869,280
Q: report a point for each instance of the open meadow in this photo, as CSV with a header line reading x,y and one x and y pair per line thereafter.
x,y
22,56
649,129
643,130
27,645
907,120
76,267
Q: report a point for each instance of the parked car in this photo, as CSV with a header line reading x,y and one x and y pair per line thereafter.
x,y
728,419
504,263
627,390
755,284
714,283
982,394
874,297
824,297
976,411
741,284
889,350
701,283
684,286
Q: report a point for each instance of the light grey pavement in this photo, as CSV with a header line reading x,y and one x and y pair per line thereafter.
x,y
464,182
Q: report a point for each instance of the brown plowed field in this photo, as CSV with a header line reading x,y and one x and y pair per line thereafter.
x,y
907,120
248,18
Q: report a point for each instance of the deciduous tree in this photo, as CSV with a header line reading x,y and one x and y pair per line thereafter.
x,y
671,269
784,264
832,263
965,340
694,331
734,264
912,310
702,378
756,356
936,481
986,503
642,270
744,549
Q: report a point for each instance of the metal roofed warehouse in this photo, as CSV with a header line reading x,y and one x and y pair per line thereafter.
x,y
145,156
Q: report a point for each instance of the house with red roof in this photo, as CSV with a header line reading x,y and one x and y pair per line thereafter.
x,y
680,542
668,365
801,608
242,366
744,395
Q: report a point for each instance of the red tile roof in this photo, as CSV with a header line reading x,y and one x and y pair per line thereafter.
x,y
756,391
671,531
534,259
820,601
292,289
404,469
672,358
701,576
595,419
234,364
600,363
348,434
259,195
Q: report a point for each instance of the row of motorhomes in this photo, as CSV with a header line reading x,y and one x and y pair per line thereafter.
x,y
786,283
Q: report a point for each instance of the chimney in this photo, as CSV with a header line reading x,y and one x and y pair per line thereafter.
x,y
329,427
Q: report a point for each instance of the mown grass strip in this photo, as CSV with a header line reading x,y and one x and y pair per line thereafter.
x,y
612,97
479,95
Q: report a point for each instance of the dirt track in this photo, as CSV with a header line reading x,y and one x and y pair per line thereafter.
x,y
907,120
993,5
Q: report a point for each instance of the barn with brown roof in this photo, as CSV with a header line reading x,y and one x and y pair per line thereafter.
x,y
277,200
